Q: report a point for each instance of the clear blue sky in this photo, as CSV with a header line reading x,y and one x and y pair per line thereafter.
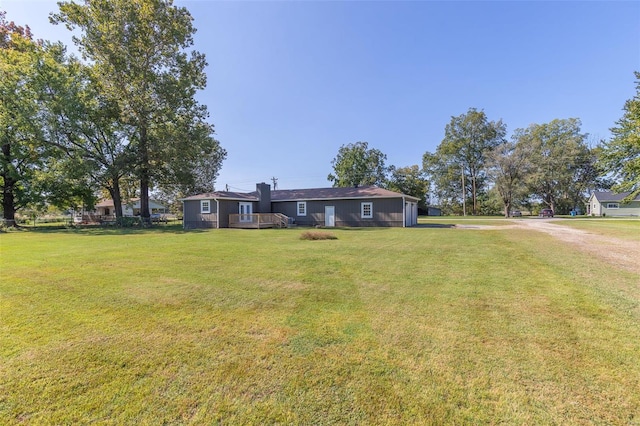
x,y
290,82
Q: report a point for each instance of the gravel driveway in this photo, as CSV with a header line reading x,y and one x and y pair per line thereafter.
x,y
621,253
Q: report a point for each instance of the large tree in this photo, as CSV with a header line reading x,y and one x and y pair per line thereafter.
x,y
357,165
85,125
620,157
446,179
139,52
409,180
508,167
562,165
22,153
467,142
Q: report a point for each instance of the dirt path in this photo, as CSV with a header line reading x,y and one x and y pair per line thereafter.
x,y
621,253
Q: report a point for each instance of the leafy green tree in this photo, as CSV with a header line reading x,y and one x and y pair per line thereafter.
x,y
139,52
85,126
508,167
445,177
409,180
620,157
357,165
463,152
450,185
22,153
561,164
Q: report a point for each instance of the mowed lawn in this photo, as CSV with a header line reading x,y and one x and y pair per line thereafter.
x,y
430,325
622,228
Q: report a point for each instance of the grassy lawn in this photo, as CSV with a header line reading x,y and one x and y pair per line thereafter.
x,y
464,220
628,229
380,326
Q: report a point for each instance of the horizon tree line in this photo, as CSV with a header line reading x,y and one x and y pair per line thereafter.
x,y
123,118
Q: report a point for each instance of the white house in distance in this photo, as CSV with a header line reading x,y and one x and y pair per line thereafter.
x,y
606,203
130,208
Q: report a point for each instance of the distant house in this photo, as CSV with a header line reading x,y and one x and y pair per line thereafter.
x,y
129,208
350,207
606,203
434,211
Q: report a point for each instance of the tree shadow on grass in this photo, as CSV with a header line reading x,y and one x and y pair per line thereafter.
x,y
93,230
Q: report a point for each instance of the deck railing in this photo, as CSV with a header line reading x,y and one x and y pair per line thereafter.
x,y
258,220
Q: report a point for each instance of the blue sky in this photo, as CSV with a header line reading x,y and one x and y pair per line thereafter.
x,y
291,82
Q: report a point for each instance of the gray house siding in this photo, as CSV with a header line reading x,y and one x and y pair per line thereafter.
x,y
386,212
193,219
226,208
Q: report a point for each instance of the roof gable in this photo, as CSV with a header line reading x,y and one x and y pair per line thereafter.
x,y
610,196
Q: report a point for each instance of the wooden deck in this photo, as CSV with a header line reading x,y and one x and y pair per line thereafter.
x,y
258,221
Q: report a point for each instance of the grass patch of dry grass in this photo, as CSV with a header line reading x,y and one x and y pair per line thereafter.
x,y
393,326
317,235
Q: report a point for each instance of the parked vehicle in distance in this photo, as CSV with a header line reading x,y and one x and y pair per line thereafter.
x,y
516,213
546,213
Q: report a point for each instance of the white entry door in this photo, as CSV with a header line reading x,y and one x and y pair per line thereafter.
x,y
245,212
329,216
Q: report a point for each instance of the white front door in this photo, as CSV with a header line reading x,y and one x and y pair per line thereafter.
x,y
245,212
329,216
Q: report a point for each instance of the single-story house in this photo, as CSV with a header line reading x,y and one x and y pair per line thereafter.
x,y
351,207
606,203
129,208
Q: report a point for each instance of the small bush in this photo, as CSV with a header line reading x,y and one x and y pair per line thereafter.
x,y
317,235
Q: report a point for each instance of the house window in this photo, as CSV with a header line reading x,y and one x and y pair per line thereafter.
x,y
205,206
613,205
302,208
366,210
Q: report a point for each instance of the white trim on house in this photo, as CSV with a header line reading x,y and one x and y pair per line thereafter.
x,y
301,208
330,216
217,213
245,210
205,206
366,210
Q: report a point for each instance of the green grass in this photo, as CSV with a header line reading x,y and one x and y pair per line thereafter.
x,y
382,326
464,220
628,229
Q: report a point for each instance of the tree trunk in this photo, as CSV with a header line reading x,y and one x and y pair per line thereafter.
x,y
8,199
473,193
114,191
145,214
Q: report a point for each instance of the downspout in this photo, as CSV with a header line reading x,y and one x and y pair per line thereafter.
x,y
217,214
404,212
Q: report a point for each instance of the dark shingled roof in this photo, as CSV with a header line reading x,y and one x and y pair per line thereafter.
x,y
610,196
242,196
305,194
334,193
